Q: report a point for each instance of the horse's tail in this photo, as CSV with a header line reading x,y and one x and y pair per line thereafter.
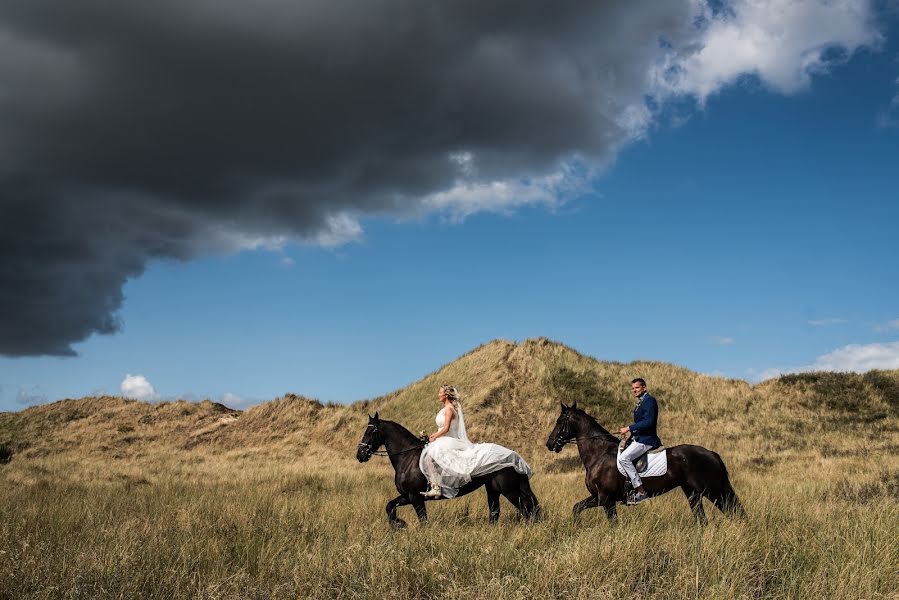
x,y
728,502
529,498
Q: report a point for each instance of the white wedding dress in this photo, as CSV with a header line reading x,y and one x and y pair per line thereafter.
x,y
452,460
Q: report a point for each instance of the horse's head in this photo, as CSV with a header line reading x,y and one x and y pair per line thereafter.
x,y
371,439
564,430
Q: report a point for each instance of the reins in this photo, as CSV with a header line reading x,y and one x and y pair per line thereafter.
x,y
574,440
386,453
372,452
589,437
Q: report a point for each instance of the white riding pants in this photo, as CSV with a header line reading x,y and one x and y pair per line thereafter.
x,y
626,460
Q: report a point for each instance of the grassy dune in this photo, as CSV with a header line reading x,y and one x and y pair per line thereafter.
x,y
111,498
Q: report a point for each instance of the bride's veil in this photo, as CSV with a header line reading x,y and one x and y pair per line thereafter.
x,y
463,434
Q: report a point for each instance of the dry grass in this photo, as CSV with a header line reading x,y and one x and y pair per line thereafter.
x,y
232,527
110,498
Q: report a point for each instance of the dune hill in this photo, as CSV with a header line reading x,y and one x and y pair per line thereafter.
x,y
511,394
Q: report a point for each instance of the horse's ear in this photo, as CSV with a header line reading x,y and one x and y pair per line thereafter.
x,y
564,408
376,416
574,405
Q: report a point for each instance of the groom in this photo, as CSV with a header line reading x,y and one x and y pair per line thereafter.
x,y
646,417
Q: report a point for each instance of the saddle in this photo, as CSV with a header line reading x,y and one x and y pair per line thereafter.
x,y
642,462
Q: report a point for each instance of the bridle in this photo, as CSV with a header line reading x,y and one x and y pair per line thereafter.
x,y
372,449
565,438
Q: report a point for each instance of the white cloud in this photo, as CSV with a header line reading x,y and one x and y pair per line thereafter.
x,y
229,399
857,358
236,240
723,341
232,400
338,229
30,395
137,387
889,117
771,373
342,228
825,322
467,197
464,161
635,120
783,42
718,374
888,326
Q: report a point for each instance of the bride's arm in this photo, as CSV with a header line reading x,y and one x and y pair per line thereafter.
x,y
448,416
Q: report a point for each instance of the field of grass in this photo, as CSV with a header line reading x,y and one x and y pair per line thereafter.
x,y
236,527
110,498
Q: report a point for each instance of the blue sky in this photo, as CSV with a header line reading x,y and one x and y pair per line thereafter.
x,y
742,233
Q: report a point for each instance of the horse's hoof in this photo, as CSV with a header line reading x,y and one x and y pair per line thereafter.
x,y
398,524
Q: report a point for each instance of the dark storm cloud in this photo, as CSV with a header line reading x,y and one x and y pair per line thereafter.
x,y
138,130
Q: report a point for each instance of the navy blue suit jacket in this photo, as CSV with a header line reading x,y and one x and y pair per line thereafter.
x,y
646,419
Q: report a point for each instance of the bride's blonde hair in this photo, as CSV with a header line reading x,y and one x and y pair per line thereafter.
x,y
454,396
451,392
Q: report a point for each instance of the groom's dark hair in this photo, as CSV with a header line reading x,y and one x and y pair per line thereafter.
x,y
639,380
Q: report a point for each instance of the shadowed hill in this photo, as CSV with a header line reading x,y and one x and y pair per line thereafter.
x,y
511,394
111,426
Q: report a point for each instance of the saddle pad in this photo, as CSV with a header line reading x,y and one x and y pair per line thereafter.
x,y
658,464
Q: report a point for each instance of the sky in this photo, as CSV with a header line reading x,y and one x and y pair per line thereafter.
x,y
206,201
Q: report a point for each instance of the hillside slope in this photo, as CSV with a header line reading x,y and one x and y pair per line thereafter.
x,y
511,393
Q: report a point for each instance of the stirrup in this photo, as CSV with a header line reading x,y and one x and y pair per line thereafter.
x,y
433,492
636,498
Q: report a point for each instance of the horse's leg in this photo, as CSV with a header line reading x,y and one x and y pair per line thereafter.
x,y
493,504
420,510
515,498
727,502
611,512
608,505
589,502
730,502
528,499
695,499
391,511
506,483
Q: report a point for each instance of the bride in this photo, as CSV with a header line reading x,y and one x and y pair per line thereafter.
x,y
450,459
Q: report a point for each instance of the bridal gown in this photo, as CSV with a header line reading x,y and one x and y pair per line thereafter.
x,y
452,460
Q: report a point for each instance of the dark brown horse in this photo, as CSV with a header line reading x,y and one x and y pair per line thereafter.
x,y
404,450
697,471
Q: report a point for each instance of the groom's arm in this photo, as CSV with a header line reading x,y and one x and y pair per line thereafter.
x,y
648,412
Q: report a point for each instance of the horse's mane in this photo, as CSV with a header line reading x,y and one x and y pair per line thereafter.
x,y
594,426
397,429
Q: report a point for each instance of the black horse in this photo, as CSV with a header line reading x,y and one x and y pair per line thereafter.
x,y
696,470
404,450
